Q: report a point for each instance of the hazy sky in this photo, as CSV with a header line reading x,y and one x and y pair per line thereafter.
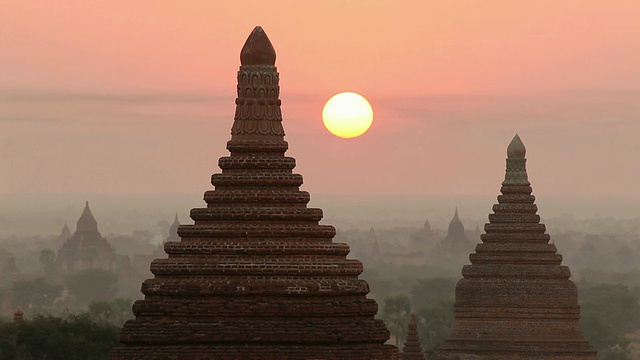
x,y
133,96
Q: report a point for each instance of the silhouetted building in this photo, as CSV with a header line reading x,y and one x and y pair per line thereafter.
x,y
86,248
256,276
425,237
65,234
173,231
455,244
516,300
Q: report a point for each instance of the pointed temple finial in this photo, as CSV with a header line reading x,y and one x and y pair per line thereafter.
x,y
516,149
257,50
455,215
516,173
258,119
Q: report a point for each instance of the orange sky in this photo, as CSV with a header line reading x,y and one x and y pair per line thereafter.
x,y
137,96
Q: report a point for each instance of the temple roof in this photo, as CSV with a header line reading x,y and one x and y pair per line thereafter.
x,y
456,228
86,222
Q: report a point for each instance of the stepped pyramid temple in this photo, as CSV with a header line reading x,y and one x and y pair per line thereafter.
x,y
412,349
256,276
515,300
86,248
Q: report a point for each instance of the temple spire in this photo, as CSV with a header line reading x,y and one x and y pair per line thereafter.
x,y
258,118
86,222
516,173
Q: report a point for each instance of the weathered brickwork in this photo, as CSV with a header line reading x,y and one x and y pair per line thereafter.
x,y
256,276
516,300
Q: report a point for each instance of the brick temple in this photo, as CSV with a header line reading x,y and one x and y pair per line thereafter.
x,y
256,276
412,349
515,300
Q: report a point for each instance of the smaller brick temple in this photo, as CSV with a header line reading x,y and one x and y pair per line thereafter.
x,y
412,349
256,277
516,300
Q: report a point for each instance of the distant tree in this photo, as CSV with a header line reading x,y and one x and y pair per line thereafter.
x,y
46,337
35,295
435,322
608,313
395,314
92,284
115,312
8,335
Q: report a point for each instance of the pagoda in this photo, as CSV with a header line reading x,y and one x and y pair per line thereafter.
x,y
412,349
515,300
256,276
86,248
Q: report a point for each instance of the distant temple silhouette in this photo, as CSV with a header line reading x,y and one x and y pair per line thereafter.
x,y
256,276
173,230
455,244
515,300
86,248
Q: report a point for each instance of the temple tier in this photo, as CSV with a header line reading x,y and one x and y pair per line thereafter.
x,y
256,276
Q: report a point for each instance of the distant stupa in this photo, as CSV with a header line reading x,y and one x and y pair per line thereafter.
x,y
256,276
516,300
412,349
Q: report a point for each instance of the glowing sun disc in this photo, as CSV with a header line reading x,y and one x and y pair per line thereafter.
x,y
347,115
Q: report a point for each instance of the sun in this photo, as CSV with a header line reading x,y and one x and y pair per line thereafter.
x,y
347,115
